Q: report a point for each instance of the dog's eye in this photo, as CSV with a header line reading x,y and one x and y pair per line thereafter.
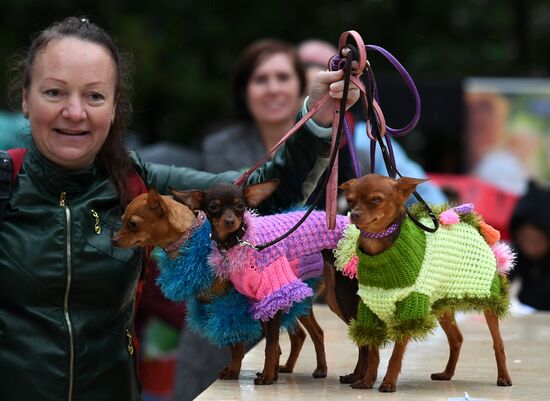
x,y
376,200
213,208
351,202
133,225
240,206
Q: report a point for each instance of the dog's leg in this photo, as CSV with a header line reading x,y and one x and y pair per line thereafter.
x,y
318,337
454,337
503,378
232,372
272,351
296,342
360,367
389,384
368,379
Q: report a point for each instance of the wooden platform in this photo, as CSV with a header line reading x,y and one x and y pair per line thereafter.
x,y
526,338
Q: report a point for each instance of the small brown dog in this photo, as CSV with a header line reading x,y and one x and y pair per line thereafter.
x,y
152,219
407,279
225,205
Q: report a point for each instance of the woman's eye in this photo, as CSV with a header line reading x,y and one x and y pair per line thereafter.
x,y
96,97
52,92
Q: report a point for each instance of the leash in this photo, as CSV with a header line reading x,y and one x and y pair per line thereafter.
x,y
353,60
379,129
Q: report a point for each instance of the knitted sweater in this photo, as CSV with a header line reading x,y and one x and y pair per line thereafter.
x,y
404,288
226,319
272,278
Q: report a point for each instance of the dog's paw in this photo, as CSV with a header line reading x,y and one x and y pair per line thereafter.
x,y
504,381
262,380
348,379
362,384
441,376
228,374
285,369
320,372
386,387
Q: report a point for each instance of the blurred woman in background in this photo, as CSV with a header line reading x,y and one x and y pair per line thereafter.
x,y
267,91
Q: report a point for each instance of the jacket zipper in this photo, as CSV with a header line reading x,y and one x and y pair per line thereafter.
x,y
63,204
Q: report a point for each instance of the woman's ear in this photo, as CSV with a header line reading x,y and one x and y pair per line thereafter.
x,y
24,104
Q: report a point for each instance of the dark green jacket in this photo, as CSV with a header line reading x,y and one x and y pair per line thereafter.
x,y
67,295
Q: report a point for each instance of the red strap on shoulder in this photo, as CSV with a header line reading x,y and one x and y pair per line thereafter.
x,y
17,155
137,185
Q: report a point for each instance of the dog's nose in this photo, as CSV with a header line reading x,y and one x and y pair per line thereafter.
x,y
229,221
354,216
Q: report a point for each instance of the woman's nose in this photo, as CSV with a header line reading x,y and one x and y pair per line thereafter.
x,y
74,109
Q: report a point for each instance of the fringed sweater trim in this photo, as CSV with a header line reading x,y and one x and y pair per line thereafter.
x,y
188,274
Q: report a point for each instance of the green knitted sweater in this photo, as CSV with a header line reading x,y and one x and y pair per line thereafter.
x,y
406,287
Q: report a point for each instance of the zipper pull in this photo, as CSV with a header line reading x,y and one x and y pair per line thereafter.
x,y
97,226
62,199
130,342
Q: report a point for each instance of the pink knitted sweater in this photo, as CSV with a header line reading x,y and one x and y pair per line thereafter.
x,y
272,278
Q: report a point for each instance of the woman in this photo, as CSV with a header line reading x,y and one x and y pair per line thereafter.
x,y
268,89
66,294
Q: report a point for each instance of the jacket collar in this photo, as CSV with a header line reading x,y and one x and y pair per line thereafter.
x,y
55,179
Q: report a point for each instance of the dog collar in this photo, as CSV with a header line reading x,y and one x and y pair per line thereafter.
x,y
201,218
234,239
386,233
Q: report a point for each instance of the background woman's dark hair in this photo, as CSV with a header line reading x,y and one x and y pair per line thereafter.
x,y
113,155
252,56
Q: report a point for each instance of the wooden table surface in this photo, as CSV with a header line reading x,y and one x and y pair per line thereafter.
x,y
526,339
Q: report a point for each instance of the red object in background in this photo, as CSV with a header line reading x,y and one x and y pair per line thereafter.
x,y
495,205
157,377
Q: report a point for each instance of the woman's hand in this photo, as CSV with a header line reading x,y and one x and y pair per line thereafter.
x,y
333,83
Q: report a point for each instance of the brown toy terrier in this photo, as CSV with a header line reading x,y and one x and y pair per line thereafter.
x,y
377,206
225,205
152,219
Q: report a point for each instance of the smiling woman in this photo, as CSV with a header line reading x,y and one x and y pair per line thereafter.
x,y
268,88
71,101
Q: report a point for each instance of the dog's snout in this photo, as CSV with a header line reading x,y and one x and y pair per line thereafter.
x,y
354,216
229,221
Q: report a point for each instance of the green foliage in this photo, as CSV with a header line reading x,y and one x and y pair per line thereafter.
x,y
184,51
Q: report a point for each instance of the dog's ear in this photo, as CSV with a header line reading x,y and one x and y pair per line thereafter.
x,y
154,201
255,194
347,185
407,185
192,198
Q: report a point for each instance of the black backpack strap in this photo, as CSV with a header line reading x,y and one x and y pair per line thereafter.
x,y
6,180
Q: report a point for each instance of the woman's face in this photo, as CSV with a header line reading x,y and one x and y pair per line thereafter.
x,y
71,101
273,91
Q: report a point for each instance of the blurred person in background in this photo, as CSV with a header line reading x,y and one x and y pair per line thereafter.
x,y
267,92
530,230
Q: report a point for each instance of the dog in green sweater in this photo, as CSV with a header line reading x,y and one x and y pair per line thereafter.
x,y
409,278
